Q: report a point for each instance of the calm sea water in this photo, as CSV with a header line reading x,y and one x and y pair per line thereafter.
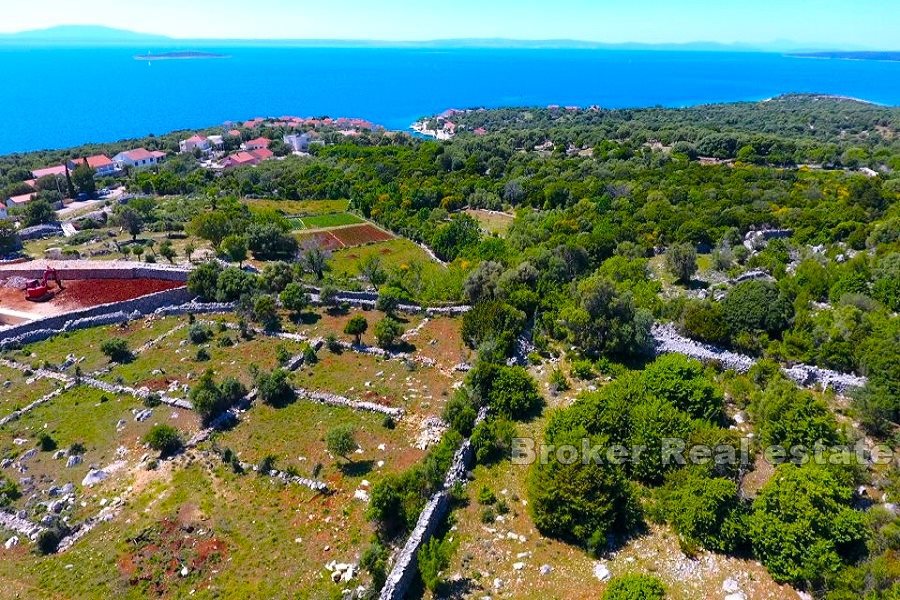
x,y
55,98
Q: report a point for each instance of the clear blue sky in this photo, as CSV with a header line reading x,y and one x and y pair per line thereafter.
x,y
831,23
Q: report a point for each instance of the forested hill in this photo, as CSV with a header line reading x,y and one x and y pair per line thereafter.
x,y
785,130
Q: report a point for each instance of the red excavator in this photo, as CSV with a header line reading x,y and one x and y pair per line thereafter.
x,y
38,290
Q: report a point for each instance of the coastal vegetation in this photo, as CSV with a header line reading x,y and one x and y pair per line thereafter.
x,y
770,229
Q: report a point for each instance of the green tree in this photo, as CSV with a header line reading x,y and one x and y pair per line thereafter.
x,y
753,306
83,179
167,252
357,326
704,511
204,280
372,270
265,312
387,332
274,388
234,248
340,441
681,260
433,559
389,298
315,260
9,238
116,349
38,212
130,220
164,439
9,492
294,298
581,503
683,382
634,587
803,527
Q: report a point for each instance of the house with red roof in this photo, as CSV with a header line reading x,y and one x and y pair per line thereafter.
x,y
57,170
102,165
256,144
239,159
195,142
262,153
14,201
139,158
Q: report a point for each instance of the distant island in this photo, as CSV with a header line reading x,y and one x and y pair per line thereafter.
x,y
889,56
180,56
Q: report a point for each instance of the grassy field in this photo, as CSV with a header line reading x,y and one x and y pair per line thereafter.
x,y
329,220
299,208
421,391
492,222
85,344
18,390
435,282
173,360
102,423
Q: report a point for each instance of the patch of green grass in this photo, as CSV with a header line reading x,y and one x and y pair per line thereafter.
x,y
331,220
299,208
21,391
85,343
430,280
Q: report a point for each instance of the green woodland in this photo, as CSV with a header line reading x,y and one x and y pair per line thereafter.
x,y
577,276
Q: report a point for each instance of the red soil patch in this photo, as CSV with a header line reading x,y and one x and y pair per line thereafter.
x,y
158,554
83,294
91,292
361,234
322,239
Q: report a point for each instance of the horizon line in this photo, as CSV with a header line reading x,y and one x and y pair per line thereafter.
x,y
777,45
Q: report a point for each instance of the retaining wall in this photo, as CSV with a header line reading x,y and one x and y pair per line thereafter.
x,y
95,270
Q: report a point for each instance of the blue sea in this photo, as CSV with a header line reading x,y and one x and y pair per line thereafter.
x,y
58,97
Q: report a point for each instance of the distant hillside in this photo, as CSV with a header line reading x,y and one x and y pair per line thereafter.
x,y
891,56
80,35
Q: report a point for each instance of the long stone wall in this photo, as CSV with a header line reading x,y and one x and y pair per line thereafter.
x,y
404,570
76,270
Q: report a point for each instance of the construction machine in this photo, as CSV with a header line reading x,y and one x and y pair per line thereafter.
x,y
38,290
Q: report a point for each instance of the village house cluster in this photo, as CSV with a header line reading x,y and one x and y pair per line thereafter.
x,y
102,165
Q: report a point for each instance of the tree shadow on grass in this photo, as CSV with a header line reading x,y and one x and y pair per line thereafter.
x,y
357,468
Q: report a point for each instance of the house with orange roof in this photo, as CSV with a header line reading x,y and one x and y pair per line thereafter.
x,y
22,200
256,144
262,153
57,170
102,165
239,159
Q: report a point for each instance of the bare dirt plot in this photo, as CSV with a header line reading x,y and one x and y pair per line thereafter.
x,y
323,239
321,322
358,235
82,294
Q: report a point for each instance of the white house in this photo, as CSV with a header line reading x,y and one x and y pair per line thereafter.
x,y
299,142
195,142
139,158
257,144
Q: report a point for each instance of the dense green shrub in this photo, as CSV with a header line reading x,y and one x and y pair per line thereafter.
x,y
634,587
